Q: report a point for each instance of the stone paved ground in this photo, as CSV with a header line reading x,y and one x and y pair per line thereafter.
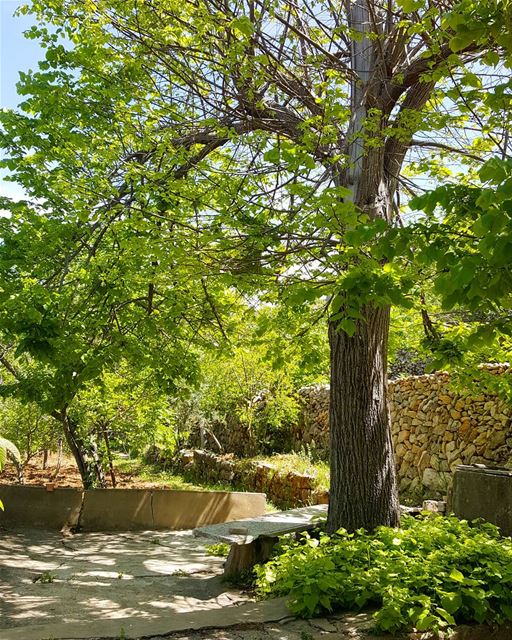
x,y
348,627
107,580
45,577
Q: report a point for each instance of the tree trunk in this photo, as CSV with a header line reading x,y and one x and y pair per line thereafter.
x,y
78,449
59,460
106,439
97,465
363,481
20,468
363,484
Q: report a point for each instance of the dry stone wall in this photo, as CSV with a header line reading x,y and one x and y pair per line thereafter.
x,y
284,490
434,429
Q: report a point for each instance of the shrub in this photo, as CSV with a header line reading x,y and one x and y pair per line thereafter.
x,y
430,574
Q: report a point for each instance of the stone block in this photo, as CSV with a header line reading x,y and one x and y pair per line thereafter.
x,y
436,481
436,506
483,493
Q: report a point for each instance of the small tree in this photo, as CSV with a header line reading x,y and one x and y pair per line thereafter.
x,y
77,298
125,410
33,431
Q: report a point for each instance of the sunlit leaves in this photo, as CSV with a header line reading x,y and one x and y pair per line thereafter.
x,y
242,24
408,6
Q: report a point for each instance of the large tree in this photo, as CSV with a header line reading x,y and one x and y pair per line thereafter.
x,y
277,132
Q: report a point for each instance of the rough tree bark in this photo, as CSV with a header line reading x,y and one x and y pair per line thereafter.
x,y
363,487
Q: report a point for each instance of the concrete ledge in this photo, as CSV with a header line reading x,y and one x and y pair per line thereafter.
x,y
116,510
483,492
124,509
181,509
37,507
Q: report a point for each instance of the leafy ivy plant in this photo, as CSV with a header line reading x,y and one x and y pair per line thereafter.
x,y
431,574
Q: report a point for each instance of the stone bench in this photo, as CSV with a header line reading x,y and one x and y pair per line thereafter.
x,y
252,539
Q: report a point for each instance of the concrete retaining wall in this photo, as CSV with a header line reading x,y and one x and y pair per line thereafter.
x,y
124,509
37,507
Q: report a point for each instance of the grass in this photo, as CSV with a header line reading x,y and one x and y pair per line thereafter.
x,y
299,463
146,472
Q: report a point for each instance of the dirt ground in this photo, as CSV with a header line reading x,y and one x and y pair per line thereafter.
x,y
67,475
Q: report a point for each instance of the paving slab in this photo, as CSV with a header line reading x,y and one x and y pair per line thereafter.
x,y
93,578
131,628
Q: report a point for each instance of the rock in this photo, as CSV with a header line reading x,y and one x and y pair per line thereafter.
x,y
468,453
450,446
436,481
403,435
436,506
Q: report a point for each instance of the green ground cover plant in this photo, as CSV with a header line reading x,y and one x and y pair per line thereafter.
x,y
299,463
147,472
430,574
220,549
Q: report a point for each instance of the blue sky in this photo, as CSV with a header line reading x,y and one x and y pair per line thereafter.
x,y
16,54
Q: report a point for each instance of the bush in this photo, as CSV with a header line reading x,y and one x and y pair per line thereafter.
x,y
430,574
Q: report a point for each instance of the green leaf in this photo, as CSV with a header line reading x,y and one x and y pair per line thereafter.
x,y
451,601
446,615
10,448
273,155
348,326
461,41
242,24
408,6
456,575
311,601
493,170
492,58
425,621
